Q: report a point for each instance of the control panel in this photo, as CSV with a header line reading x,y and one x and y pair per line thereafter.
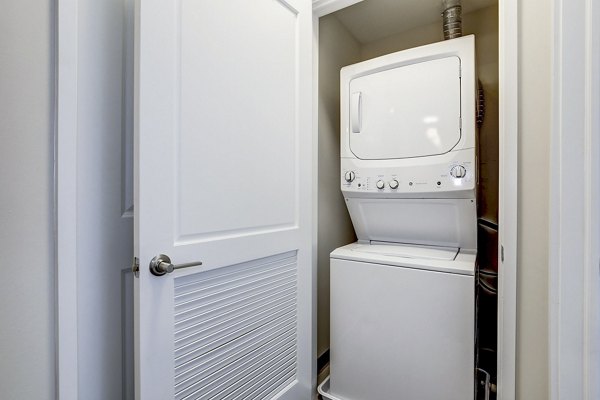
x,y
453,176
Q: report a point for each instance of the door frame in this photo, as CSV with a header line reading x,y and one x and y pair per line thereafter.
x,y
508,173
66,183
65,192
508,70
574,281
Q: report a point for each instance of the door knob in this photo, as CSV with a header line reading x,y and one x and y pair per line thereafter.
x,y
161,264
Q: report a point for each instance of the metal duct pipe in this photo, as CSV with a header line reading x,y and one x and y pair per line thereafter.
x,y
452,16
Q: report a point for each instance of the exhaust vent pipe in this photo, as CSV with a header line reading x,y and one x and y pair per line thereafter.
x,y
452,16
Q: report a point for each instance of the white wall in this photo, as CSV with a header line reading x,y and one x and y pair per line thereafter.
x,y
27,327
26,200
337,48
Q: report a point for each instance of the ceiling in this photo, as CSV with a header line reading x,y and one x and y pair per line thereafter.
x,y
372,20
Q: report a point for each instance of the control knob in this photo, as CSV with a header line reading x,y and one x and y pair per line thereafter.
x,y
393,184
458,171
380,184
349,176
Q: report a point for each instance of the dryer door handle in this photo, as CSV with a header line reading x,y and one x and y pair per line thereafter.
x,y
356,112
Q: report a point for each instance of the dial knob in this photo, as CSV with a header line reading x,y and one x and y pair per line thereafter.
x,y
458,171
393,184
349,176
380,184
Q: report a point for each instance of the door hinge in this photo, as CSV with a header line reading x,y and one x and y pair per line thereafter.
x,y
135,267
502,253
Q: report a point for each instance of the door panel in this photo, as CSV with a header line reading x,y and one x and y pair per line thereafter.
x,y
223,176
408,111
231,322
247,66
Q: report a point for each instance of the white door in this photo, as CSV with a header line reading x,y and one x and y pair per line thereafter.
x,y
223,176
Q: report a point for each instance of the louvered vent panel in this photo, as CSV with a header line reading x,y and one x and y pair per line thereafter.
x,y
235,330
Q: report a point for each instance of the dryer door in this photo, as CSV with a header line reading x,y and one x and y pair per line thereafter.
x,y
408,111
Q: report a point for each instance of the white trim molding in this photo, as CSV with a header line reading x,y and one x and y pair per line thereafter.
x,y
66,202
508,199
575,202
592,252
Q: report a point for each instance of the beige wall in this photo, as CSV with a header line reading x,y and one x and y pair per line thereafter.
x,y
26,200
535,41
337,48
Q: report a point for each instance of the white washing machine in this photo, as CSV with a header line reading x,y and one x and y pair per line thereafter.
x,y
402,297
402,322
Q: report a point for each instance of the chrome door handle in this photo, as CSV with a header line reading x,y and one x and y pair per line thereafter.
x,y
161,264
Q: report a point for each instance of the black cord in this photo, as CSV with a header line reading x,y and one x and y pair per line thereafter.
x,y
488,288
488,224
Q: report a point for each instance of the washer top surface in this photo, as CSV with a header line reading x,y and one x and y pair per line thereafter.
x,y
408,250
430,258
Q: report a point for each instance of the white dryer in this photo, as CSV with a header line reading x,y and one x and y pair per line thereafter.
x,y
408,145
402,297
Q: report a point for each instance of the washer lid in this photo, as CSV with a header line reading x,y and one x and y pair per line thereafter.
x,y
408,251
407,111
463,263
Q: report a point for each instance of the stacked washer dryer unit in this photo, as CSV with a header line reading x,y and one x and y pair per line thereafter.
x,y
402,297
